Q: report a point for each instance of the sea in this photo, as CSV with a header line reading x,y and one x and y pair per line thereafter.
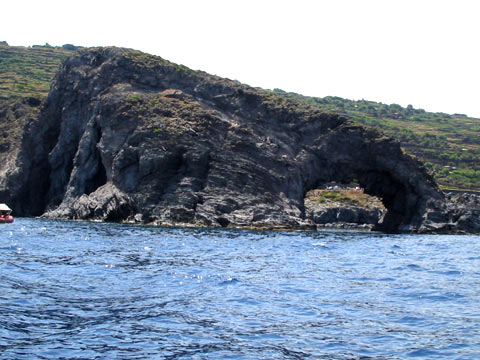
x,y
85,290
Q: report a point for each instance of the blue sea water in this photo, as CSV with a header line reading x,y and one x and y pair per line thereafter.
x,y
78,290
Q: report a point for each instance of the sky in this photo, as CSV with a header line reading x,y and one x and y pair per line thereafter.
x,y
422,52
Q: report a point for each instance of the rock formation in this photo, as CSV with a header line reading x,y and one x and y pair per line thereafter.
x,y
344,208
128,136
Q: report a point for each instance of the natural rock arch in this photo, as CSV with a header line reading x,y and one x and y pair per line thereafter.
x,y
124,135
380,166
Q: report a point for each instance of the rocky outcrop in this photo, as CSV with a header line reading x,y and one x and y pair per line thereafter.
x,y
460,213
128,136
343,215
106,203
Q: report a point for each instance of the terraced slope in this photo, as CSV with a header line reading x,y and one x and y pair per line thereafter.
x,y
28,72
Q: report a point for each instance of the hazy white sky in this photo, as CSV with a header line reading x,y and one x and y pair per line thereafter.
x,y
420,52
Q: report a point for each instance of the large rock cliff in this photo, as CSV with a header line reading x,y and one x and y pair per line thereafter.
x,y
128,136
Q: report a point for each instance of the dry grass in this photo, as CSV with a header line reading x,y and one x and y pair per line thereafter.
x,y
344,197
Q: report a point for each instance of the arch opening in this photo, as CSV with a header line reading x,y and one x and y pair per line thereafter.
x,y
367,199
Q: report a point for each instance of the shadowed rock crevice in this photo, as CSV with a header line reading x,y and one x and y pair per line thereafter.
x,y
128,136
99,173
99,178
25,168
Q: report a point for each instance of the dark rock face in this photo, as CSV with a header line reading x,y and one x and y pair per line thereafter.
x,y
14,119
463,213
128,136
347,215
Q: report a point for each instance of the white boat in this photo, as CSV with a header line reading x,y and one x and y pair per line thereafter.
x,y
5,217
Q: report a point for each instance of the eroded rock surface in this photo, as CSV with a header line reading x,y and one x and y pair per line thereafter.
x,y
128,136
343,209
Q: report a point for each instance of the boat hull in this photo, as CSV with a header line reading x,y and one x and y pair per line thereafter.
x,y
6,219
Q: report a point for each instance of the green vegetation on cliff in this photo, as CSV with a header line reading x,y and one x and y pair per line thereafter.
x,y
448,144
352,197
25,77
28,72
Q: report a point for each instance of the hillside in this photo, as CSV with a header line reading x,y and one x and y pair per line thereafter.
x,y
25,78
28,72
448,144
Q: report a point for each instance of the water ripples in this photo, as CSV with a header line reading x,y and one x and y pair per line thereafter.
x,y
97,291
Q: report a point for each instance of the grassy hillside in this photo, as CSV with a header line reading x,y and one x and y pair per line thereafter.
x,y
25,77
448,144
27,72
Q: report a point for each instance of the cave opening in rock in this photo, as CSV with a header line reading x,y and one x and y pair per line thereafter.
x,y
383,202
98,179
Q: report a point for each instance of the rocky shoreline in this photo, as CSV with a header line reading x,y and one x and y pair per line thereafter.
x,y
125,136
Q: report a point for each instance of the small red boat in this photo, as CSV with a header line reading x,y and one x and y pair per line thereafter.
x,y
5,217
